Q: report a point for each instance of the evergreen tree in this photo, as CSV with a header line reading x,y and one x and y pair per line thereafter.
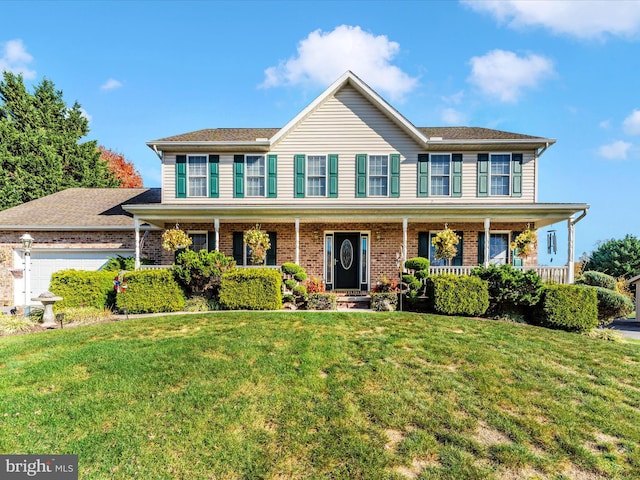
x,y
40,148
618,258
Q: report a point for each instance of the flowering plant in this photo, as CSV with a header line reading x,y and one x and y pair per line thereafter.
x,y
445,242
525,243
174,239
258,241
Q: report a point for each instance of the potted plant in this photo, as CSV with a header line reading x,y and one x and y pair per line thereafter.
x,y
258,243
525,243
175,239
446,242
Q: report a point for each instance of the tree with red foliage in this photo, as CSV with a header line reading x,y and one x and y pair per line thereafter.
x,y
123,170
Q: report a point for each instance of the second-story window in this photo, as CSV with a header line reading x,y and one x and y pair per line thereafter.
x,y
440,174
255,176
197,174
317,175
378,175
500,174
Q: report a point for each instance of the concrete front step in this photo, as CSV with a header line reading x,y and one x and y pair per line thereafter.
x,y
348,301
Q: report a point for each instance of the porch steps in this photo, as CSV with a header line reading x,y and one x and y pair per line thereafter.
x,y
352,301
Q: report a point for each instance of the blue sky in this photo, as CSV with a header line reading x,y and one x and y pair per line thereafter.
x,y
563,70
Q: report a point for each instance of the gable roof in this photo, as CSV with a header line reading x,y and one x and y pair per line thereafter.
x,y
79,209
264,138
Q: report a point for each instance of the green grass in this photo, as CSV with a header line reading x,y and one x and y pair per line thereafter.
x,y
323,395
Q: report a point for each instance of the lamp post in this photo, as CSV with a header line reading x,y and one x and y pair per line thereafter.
x,y
27,241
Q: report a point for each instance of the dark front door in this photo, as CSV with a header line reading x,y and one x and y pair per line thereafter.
x,y
347,261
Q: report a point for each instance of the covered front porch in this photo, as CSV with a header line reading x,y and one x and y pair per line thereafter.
x,y
349,248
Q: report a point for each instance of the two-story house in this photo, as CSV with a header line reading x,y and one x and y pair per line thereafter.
x,y
347,189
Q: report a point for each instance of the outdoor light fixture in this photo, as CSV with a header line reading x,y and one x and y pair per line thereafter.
x,y
27,242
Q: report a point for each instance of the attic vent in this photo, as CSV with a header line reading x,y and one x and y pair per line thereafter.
x,y
435,139
262,139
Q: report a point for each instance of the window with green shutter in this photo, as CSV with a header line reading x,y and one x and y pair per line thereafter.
x,y
299,166
516,175
456,175
272,176
181,176
394,178
483,174
423,175
333,175
361,175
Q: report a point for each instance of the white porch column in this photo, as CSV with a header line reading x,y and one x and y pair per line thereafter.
x,y
487,241
405,226
136,227
216,228
571,247
297,241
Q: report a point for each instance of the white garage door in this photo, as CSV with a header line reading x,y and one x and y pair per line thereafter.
x,y
46,262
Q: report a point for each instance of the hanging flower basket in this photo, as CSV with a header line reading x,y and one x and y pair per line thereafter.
x,y
258,243
175,239
446,242
525,243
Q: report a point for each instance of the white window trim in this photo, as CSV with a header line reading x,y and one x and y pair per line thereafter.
x,y
246,174
369,155
508,233
206,175
326,174
449,176
508,194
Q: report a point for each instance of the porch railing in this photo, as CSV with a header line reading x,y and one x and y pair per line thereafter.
x,y
548,274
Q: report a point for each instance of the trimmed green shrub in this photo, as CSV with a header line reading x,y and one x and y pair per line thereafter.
x,y
417,264
293,274
322,301
196,304
81,288
291,268
612,305
290,283
384,301
568,307
457,294
300,291
151,291
119,263
597,279
251,289
412,283
511,291
199,273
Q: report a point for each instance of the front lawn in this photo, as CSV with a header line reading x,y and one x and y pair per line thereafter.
x,y
323,395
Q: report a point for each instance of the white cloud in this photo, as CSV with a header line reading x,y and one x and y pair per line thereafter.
x,y
631,124
323,57
455,99
615,151
85,114
111,84
503,75
451,116
582,19
605,124
15,59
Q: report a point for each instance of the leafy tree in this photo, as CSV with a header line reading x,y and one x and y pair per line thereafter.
x,y
618,258
124,170
40,148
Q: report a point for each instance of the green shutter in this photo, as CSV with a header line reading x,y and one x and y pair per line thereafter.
x,y
361,175
394,180
423,175
515,260
238,176
333,175
458,260
214,176
211,241
423,244
516,175
299,165
272,176
238,246
456,175
483,174
181,176
481,248
272,252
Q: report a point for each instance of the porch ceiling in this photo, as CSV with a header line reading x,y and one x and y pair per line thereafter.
x,y
539,215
